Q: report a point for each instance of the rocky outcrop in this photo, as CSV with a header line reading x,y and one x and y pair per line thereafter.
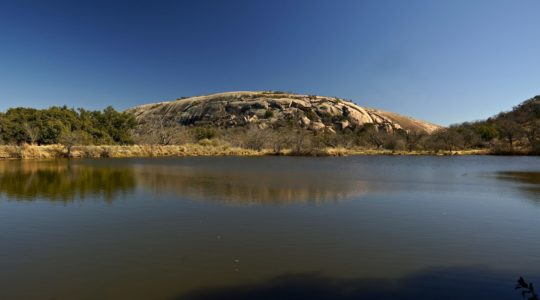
x,y
272,110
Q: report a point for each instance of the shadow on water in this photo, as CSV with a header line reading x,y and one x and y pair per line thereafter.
x,y
443,283
529,182
63,181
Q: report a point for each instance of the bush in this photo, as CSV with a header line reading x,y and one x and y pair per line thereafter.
x,y
268,114
201,133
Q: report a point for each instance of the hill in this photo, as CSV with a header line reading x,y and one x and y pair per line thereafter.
x,y
513,132
271,110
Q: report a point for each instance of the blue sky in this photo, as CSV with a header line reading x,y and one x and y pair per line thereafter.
x,y
441,61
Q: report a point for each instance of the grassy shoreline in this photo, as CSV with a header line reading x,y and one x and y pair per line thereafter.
x,y
26,152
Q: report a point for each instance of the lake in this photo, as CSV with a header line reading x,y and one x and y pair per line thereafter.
x,y
371,227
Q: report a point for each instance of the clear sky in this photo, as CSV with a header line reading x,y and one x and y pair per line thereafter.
x,y
441,61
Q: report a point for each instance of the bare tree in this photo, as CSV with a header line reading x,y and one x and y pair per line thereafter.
x,y
70,139
162,133
445,139
256,138
373,135
532,132
299,141
413,139
32,132
509,130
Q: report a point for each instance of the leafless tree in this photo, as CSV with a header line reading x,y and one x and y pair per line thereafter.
x,y
32,132
413,139
70,139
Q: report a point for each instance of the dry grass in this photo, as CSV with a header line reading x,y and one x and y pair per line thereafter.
x,y
57,151
201,149
156,150
31,152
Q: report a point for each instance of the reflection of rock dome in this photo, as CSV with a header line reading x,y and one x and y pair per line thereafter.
x,y
248,186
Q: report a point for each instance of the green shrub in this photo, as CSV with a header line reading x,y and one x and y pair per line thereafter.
x,y
201,133
268,114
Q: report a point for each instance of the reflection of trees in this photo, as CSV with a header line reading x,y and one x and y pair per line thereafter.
x,y
248,186
530,182
524,177
62,181
66,181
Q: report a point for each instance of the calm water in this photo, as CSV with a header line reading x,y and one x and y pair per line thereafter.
x,y
269,228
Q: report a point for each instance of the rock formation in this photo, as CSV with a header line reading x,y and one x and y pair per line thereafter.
x,y
272,110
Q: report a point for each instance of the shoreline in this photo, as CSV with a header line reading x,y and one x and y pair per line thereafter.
x,y
33,152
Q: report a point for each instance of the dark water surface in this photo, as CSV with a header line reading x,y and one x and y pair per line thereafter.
x,y
269,228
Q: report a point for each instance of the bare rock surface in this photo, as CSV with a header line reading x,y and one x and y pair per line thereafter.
x,y
272,110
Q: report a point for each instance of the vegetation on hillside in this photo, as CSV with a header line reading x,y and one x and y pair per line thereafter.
x,y
513,132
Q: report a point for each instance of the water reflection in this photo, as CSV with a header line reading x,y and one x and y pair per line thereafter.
x,y
419,214
63,181
249,186
258,184
529,182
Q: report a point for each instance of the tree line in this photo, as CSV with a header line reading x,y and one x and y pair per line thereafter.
x,y
63,125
